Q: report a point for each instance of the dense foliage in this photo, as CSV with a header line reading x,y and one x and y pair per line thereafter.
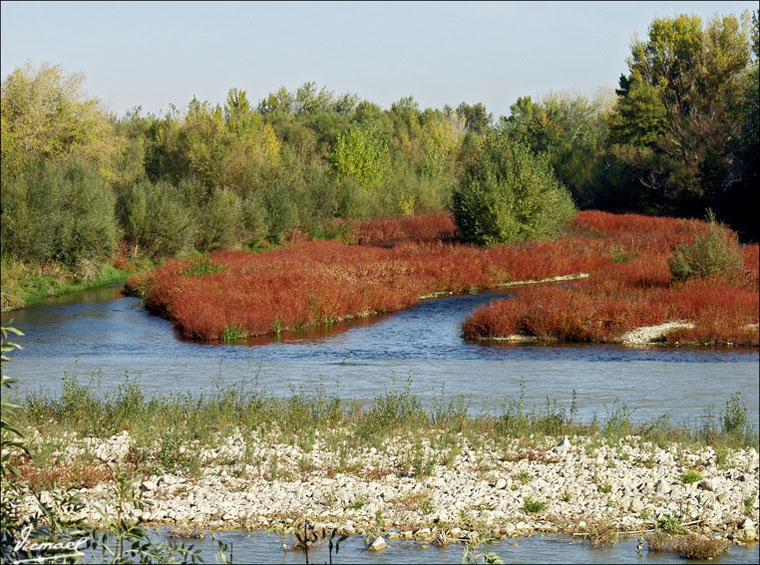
x,y
679,136
655,271
510,195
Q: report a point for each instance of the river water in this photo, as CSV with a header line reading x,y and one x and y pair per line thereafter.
x,y
99,335
257,547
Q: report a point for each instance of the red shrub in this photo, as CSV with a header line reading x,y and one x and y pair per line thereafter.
x,y
436,226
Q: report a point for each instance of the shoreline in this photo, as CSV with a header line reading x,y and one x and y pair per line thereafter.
x,y
498,491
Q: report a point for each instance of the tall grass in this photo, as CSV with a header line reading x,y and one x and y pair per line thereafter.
x,y
251,409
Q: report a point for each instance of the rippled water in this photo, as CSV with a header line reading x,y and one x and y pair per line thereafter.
x,y
100,332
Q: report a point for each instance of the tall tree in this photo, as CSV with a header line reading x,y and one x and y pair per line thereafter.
x,y
678,109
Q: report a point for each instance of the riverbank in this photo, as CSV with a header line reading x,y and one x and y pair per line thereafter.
x,y
574,485
239,460
23,285
234,296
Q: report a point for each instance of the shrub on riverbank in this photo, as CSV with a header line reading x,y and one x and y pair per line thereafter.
x,y
508,195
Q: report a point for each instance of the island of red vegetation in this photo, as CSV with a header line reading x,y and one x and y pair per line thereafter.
x,y
634,288
395,263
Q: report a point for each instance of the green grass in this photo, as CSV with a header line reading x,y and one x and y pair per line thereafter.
x,y
534,506
36,288
690,476
166,422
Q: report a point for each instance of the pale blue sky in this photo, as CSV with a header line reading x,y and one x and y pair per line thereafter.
x,y
153,54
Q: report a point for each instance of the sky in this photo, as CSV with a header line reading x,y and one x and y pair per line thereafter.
x,y
155,54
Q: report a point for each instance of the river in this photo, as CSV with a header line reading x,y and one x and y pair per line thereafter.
x,y
99,336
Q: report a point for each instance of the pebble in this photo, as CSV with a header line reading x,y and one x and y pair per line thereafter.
x,y
483,485
378,545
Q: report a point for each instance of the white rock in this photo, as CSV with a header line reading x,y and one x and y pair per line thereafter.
x,y
707,484
378,545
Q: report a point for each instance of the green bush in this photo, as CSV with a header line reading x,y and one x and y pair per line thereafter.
x,y
58,210
221,221
714,252
254,220
155,218
281,210
508,195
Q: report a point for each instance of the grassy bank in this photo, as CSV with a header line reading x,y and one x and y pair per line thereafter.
x,y
238,459
164,428
23,285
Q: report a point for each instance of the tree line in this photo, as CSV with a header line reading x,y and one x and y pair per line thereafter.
x,y
678,136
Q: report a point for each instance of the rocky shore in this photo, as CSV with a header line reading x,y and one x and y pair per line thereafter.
x,y
536,484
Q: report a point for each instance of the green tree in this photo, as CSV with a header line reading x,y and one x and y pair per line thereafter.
x,y
58,210
476,117
44,112
362,153
570,130
509,195
680,106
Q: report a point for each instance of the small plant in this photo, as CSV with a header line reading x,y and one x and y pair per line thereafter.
x,y
566,496
531,505
649,463
473,556
234,334
605,488
602,532
201,267
671,524
749,503
690,476
357,504
691,546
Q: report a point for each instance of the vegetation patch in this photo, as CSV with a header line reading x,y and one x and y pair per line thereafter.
x,y
692,546
620,297
315,283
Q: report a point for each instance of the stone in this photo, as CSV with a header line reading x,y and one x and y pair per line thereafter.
x,y
636,505
378,545
707,484
660,487
746,523
500,484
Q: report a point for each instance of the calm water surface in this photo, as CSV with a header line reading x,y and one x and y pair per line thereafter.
x,y
257,547
101,335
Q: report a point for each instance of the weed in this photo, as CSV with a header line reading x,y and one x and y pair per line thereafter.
x,y
531,505
691,546
671,524
690,476
749,504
